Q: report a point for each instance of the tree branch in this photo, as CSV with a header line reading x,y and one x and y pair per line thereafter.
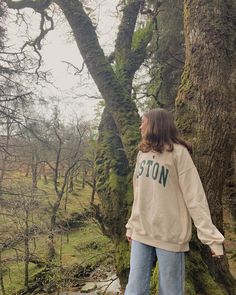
x,y
77,70
38,5
36,44
123,109
127,25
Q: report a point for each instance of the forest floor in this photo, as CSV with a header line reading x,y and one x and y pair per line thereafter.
x,y
80,249
83,254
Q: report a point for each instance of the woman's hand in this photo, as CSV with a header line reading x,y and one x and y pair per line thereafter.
x,y
129,239
213,254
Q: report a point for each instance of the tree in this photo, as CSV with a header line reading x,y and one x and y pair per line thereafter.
x,y
64,149
167,62
20,211
206,113
15,69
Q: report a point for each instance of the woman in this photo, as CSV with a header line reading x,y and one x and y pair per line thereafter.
x,y
167,193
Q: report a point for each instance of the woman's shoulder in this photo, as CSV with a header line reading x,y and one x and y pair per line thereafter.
x,y
181,152
179,148
182,158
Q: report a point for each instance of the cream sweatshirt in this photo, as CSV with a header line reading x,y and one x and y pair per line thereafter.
x,y
167,193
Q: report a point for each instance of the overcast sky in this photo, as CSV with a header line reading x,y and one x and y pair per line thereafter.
x,y
59,46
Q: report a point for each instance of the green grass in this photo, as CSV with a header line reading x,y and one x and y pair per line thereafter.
x,y
77,201
85,246
14,276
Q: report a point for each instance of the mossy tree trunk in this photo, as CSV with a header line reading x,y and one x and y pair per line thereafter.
x,y
114,167
206,113
168,59
230,188
114,189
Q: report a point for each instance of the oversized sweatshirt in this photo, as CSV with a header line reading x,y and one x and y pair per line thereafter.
x,y
167,193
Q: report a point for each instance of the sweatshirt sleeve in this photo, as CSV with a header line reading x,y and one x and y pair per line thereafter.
x,y
196,202
128,226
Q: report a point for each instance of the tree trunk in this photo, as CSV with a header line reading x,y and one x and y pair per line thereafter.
x,y
114,162
230,187
168,60
206,113
84,178
66,196
34,170
93,191
44,174
27,170
114,190
1,275
71,181
5,152
51,246
27,252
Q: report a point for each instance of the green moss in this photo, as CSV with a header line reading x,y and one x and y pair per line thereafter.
x,y
185,86
208,286
186,10
189,287
122,259
198,277
129,194
142,35
185,105
115,181
154,280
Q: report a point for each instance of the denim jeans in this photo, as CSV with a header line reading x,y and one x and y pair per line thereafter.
x,y
171,267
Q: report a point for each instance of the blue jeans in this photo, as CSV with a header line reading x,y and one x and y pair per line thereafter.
x,y
171,267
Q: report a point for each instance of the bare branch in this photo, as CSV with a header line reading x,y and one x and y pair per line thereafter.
x,y
77,70
36,44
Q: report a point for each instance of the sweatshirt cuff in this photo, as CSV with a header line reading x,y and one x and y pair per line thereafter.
x,y
217,248
128,232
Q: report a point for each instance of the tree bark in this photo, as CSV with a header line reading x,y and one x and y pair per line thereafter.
x,y
114,190
168,60
206,113
114,164
230,187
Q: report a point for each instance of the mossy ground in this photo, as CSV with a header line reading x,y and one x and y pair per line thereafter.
x,y
85,246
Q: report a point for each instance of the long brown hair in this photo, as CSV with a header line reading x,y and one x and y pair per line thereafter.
x,y
161,132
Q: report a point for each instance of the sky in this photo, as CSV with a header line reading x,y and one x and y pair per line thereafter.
x,y
71,91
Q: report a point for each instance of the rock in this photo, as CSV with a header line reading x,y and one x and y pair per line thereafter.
x,y
88,287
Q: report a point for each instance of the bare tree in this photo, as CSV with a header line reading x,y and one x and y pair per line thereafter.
x,y
63,149
20,210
